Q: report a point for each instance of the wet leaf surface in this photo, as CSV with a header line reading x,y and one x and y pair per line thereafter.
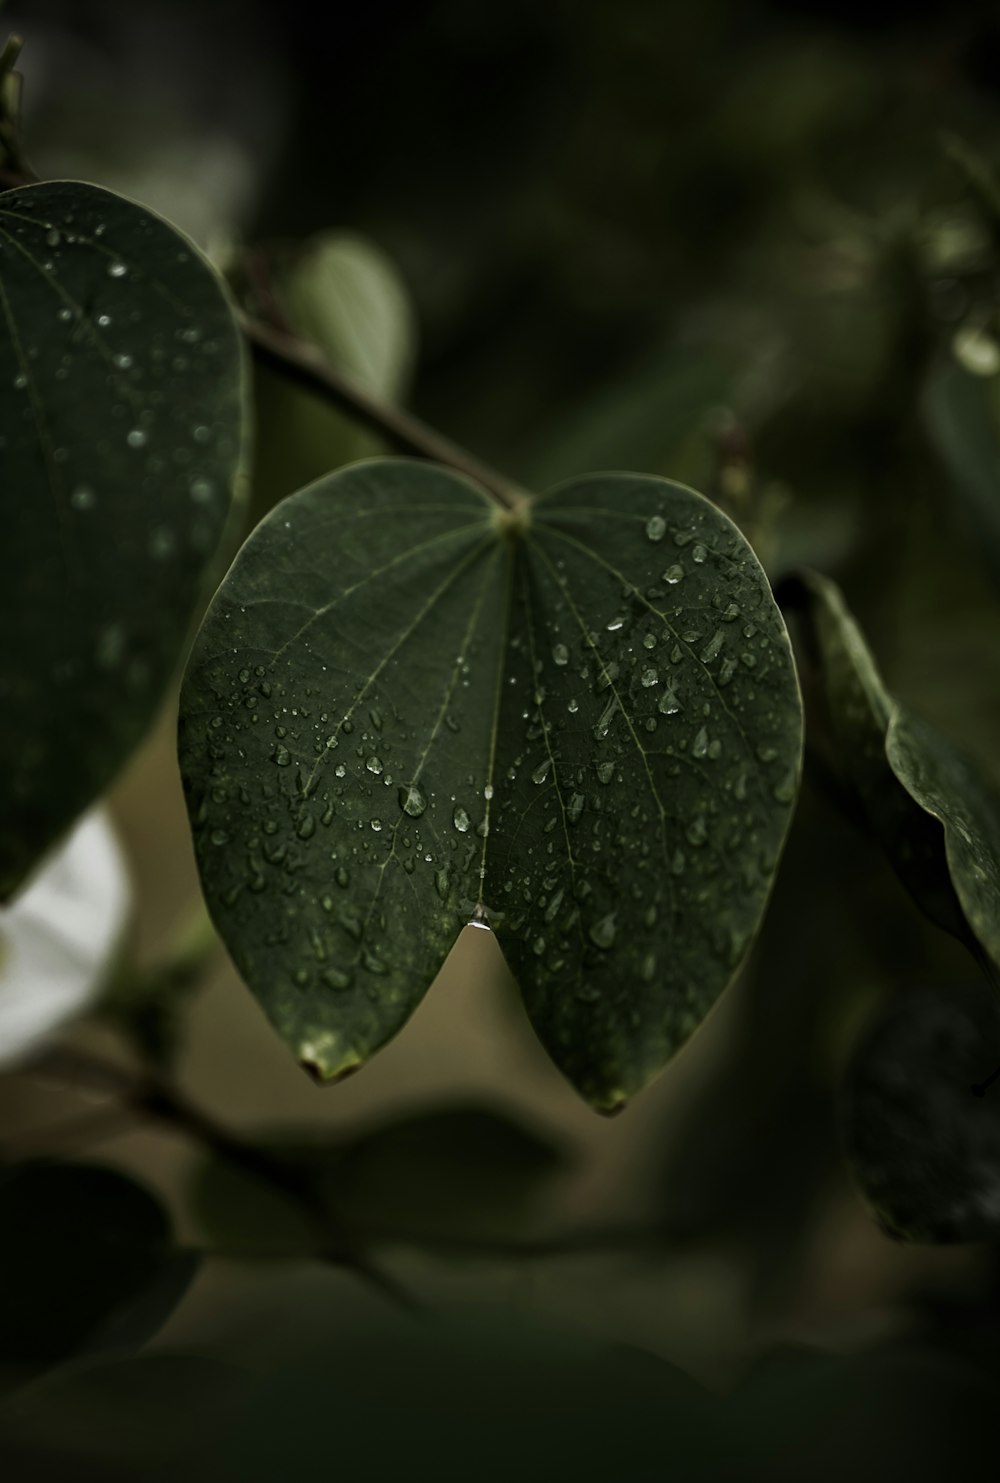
x,y
121,384
406,711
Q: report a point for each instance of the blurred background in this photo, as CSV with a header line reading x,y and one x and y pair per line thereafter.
x,y
750,244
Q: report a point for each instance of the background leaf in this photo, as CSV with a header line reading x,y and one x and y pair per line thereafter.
x,y
86,1261
59,939
435,1173
962,411
924,1148
404,712
343,294
929,806
121,386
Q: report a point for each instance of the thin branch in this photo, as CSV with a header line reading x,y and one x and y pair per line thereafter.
x,y
305,365
151,1098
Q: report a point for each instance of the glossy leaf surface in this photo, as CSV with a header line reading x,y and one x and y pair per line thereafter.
x,y
121,382
579,725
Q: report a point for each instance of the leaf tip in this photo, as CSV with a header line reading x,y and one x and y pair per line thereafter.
x,y
326,1060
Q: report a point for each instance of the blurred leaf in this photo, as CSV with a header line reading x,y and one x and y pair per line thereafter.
x,y
60,936
655,420
929,807
488,1392
582,727
889,1413
86,1261
444,1172
962,410
153,1418
345,295
121,387
924,1147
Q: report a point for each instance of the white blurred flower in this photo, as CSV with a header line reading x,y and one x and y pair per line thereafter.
x,y
60,935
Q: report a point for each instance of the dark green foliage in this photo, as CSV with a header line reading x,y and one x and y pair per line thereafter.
x,y
577,723
121,432
87,1262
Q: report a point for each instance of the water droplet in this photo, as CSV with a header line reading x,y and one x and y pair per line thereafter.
x,y
488,792
374,764
336,978
713,646
699,746
784,792
83,497
699,553
602,933
542,771
976,350
281,755
697,831
201,491
668,705
649,641
412,800
649,677
442,882
573,706
136,438
616,623
607,716
673,574
376,825
117,270
162,543
605,772
307,827
560,654
647,968
575,807
121,360
656,528
342,877
460,819
53,238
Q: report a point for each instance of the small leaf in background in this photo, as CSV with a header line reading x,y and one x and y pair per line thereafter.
x,y
962,411
434,1174
121,434
59,938
86,1261
405,711
344,295
932,810
924,1147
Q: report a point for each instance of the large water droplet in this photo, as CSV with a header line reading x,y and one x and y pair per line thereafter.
x,y
412,801
374,764
602,933
542,771
460,819
656,528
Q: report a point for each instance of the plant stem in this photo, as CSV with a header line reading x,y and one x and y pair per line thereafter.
x,y
149,1097
304,364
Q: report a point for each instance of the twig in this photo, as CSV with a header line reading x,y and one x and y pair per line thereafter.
x,y
151,1098
304,364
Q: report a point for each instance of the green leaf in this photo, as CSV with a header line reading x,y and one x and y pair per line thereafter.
x,y
121,391
929,806
962,410
86,1262
924,1147
344,295
436,1174
579,723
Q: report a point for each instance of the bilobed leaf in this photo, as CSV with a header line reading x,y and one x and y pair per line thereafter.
x,y
121,382
932,810
577,723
